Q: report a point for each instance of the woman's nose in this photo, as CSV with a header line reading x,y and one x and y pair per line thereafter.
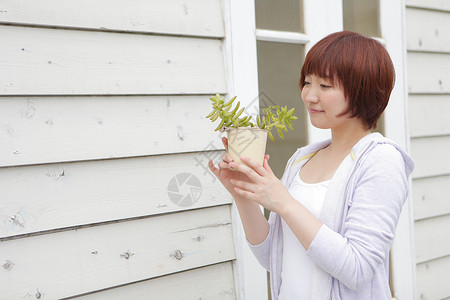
x,y
311,96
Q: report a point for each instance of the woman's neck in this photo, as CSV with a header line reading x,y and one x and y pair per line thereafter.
x,y
344,140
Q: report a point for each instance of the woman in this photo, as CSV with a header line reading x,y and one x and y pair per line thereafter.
x,y
335,210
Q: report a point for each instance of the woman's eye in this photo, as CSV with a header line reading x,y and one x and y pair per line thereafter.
x,y
305,83
325,86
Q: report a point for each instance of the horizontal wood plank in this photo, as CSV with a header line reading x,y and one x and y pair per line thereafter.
x,y
35,130
184,17
427,73
90,259
429,4
432,238
423,35
40,61
46,197
431,197
430,156
432,279
212,282
428,115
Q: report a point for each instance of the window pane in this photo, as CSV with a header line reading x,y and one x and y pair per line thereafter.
x,y
362,16
279,67
279,15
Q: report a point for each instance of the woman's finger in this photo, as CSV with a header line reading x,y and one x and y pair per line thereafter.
x,y
266,164
225,143
244,185
243,168
213,168
226,157
244,193
224,165
254,165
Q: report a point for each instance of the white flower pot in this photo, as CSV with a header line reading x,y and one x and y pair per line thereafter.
x,y
247,141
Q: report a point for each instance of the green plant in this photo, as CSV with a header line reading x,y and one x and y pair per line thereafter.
x,y
273,116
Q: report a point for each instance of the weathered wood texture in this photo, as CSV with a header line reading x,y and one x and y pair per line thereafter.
x,y
428,58
429,115
428,73
184,17
35,130
423,35
432,238
104,187
40,61
429,4
213,282
431,197
74,262
431,156
432,279
52,196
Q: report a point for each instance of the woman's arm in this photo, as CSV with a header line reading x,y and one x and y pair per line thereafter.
x,y
369,227
265,189
255,225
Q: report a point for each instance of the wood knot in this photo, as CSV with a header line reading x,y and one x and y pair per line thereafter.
x,y
126,255
177,254
8,265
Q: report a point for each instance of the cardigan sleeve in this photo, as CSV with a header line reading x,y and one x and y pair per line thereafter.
x,y
353,256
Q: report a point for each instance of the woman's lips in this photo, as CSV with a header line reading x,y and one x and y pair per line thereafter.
x,y
314,111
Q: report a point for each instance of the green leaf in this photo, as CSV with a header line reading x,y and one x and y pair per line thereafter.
x,y
271,136
220,125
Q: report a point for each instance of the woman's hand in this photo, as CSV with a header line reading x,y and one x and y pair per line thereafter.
x,y
261,185
224,172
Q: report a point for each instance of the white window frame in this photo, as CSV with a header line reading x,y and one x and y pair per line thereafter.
x,y
242,80
392,25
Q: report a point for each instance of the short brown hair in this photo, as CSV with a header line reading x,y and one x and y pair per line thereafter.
x,y
360,65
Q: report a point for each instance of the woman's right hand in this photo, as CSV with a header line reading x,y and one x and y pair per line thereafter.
x,y
224,172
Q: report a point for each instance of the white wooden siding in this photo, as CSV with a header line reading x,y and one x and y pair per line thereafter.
x,y
432,279
212,282
428,73
430,114
101,105
431,197
184,17
424,35
55,129
51,196
430,242
105,256
438,5
429,86
41,61
431,156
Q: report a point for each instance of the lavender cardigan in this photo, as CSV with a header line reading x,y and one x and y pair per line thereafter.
x,y
360,213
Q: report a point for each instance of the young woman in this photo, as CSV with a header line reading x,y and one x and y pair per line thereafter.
x,y
335,210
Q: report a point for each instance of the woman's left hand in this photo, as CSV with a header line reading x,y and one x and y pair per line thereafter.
x,y
264,187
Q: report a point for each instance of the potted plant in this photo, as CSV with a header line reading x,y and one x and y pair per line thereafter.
x,y
245,137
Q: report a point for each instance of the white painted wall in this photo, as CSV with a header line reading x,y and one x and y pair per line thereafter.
x,y
427,39
101,106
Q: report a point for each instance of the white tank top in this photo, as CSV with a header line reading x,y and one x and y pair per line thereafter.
x,y
296,267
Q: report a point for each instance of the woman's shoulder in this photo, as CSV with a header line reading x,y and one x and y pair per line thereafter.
x,y
381,152
388,157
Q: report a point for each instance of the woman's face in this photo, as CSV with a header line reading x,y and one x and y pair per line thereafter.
x,y
324,101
